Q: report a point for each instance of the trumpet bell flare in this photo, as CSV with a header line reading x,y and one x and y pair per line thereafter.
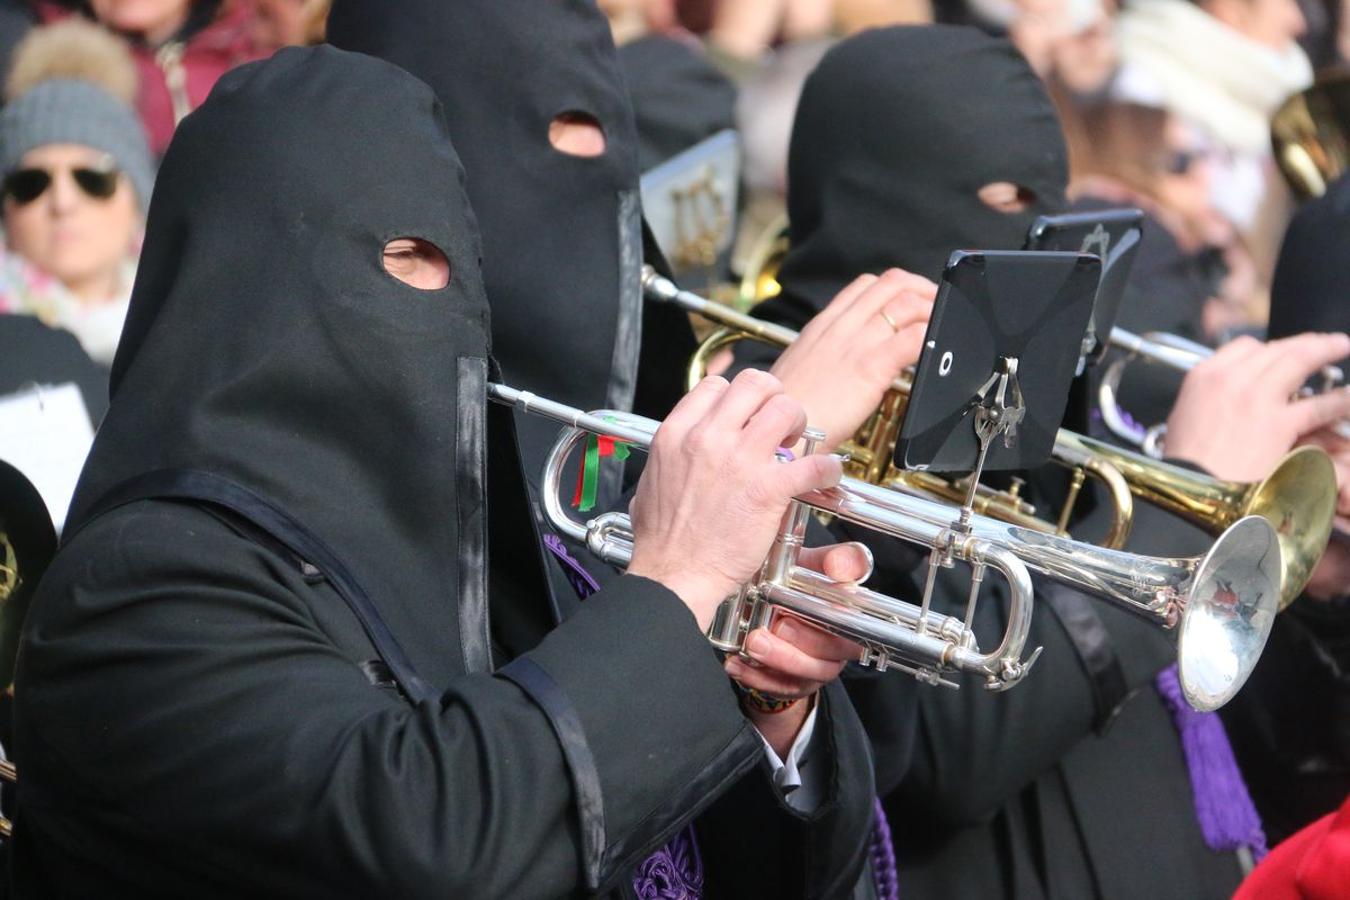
x,y
1299,502
1229,613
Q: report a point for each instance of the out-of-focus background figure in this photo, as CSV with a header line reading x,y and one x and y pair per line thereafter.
x,y
77,176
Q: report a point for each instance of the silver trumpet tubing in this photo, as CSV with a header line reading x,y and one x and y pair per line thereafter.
x,y
1177,353
1221,605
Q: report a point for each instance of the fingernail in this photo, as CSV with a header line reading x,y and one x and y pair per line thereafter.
x,y
789,631
757,644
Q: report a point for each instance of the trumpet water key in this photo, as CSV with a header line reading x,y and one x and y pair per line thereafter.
x,y
1220,605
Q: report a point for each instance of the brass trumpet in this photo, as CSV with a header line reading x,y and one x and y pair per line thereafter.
x,y
1309,134
1298,499
1221,605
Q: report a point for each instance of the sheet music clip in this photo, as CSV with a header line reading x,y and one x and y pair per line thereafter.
x,y
999,409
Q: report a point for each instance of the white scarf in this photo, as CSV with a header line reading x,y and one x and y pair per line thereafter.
x,y
1208,73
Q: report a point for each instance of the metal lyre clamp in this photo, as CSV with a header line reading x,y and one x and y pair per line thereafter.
x,y
999,408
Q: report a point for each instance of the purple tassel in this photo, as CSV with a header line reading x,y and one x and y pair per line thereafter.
x,y
1228,818
884,871
582,581
675,872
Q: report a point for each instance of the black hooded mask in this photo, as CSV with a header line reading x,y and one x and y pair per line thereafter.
x,y
562,234
1308,292
267,344
896,132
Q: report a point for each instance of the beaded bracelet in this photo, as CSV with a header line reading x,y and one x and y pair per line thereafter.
x,y
765,703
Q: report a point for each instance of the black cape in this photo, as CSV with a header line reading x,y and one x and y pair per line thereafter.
x,y
200,711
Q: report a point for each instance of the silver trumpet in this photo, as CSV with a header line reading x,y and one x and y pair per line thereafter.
x,y
1221,605
1180,354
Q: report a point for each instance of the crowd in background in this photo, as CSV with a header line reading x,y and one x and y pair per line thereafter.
x,y
1166,105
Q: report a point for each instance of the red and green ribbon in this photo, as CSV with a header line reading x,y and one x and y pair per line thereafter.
x,y
588,479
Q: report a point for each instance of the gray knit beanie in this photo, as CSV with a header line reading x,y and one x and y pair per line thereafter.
x,y
70,111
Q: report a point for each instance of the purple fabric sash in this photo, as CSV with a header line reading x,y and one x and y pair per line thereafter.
x,y
1228,818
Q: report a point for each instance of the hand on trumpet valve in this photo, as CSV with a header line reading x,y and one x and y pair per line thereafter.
x,y
791,659
848,356
1238,411
715,488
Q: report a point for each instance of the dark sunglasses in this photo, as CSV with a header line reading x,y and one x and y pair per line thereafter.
x,y
26,185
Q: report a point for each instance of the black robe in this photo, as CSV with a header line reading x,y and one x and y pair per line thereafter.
x,y
1032,793
204,711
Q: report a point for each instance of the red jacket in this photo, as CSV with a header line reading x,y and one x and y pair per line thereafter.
x,y
1313,864
176,77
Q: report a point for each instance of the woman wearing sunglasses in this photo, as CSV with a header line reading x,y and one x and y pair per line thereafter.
x,y
75,177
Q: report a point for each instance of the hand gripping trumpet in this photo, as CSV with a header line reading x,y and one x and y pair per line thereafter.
x,y
1221,605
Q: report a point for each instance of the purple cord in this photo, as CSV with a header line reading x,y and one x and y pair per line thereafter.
x,y
884,870
582,581
1228,818
674,872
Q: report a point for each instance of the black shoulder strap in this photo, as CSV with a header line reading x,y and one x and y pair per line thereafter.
x,y
189,484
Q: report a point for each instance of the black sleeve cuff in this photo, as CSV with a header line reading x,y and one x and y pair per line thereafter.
x,y
647,720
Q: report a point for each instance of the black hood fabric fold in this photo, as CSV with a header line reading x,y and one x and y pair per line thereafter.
x,y
266,343
1309,289
562,234
897,130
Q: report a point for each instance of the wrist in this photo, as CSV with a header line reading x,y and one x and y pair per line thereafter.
x,y
779,728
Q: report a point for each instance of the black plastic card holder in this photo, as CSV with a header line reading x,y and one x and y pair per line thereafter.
x,y
1113,235
1004,336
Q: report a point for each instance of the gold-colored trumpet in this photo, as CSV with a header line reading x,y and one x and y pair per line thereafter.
x,y
1310,134
1298,499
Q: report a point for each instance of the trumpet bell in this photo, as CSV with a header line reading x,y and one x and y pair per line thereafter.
x,y
1228,614
1310,132
1299,502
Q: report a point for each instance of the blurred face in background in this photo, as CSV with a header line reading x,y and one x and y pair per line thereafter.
x,y
1184,183
154,20
71,230
1275,23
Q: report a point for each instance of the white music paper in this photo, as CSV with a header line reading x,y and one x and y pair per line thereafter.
x,y
45,433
